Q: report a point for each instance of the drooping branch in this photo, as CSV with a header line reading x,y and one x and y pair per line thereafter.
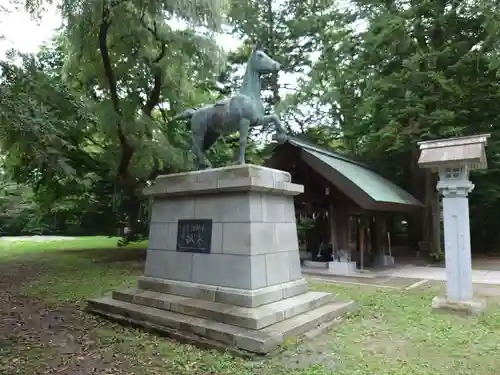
x,y
108,70
154,95
126,150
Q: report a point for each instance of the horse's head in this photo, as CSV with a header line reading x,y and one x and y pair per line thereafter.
x,y
262,63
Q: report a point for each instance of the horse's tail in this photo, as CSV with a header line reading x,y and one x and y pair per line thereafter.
x,y
185,115
170,130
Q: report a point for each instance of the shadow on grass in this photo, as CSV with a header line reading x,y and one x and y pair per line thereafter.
x,y
393,332
75,275
106,255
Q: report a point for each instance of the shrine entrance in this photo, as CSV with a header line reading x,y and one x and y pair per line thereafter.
x,y
346,209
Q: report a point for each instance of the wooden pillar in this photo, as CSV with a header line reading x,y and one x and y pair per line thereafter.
x,y
362,242
333,227
341,227
383,234
381,229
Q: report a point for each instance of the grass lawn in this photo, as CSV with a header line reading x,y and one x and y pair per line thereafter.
x,y
24,247
393,332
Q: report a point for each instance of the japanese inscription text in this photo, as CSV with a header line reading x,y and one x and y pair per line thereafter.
x,y
194,236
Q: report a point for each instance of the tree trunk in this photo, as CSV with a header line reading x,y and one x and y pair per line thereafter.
x,y
435,217
431,220
416,229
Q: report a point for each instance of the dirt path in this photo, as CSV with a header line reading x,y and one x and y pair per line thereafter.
x,y
37,338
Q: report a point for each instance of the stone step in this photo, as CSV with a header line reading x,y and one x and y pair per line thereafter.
x,y
309,320
252,318
213,333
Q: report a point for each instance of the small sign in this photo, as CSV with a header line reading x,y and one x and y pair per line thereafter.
x,y
194,236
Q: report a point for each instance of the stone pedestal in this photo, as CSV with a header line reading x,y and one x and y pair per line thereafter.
x,y
342,268
223,263
388,261
469,307
383,260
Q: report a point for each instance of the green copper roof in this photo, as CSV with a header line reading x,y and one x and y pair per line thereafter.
x,y
365,187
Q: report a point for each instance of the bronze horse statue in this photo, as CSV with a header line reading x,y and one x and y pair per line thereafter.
x,y
237,113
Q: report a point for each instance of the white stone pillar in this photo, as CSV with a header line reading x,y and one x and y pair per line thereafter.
x,y
457,239
453,158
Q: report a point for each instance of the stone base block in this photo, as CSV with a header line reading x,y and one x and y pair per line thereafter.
x,y
383,260
231,296
388,261
252,318
474,307
342,268
250,330
314,264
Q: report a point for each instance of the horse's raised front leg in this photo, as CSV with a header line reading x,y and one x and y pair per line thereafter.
x,y
275,120
244,127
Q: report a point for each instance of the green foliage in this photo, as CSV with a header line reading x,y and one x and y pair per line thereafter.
x,y
393,73
19,215
84,121
411,74
304,224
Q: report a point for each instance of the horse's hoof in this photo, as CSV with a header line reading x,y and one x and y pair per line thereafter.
x,y
281,137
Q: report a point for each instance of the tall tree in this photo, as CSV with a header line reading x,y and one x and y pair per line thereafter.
x,y
396,72
123,61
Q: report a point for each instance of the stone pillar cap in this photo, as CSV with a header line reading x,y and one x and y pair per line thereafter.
x,y
242,177
454,152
